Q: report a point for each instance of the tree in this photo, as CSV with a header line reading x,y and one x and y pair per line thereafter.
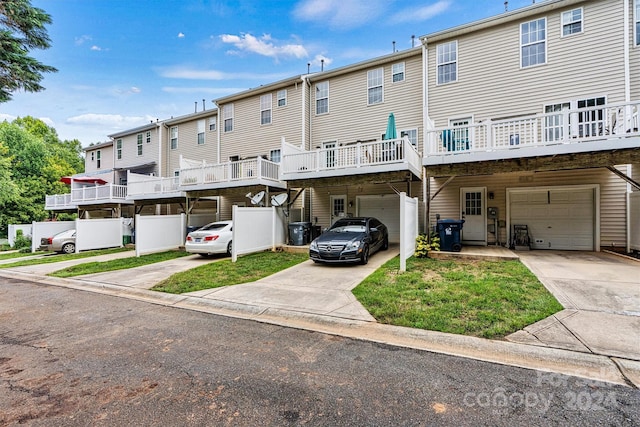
x,y
22,28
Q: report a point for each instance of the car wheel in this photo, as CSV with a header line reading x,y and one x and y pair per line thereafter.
x,y
229,247
68,248
364,259
385,244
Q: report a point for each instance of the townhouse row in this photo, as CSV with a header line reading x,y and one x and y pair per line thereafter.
x,y
530,117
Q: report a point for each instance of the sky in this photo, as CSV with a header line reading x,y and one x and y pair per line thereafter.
x,y
122,64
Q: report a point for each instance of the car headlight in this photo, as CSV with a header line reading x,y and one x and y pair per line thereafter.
x,y
353,245
313,246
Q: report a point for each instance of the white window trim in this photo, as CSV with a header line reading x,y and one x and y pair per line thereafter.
x,y
316,99
562,23
279,97
119,149
171,138
636,21
438,64
403,72
266,104
381,86
200,130
227,114
279,154
410,130
546,44
139,145
148,137
213,121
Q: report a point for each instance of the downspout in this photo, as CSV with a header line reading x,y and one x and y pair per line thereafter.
x,y
425,117
304,111
159,127
627,72
219,124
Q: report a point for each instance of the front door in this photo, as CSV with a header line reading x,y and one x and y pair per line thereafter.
x,y
474,229
338,208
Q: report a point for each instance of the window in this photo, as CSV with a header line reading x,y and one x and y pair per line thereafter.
x,y
554,121
330,153
281,97
322,98
397,72
212,124
458,138
447,62
265,109
572,22
174,137
98,160
227,116
374,86
533,42
412,134
139,144
636,18
592,121
118,149
274,156
473,203
176,172
148,137
93,156
200,137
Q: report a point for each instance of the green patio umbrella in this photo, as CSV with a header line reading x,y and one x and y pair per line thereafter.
x,y
391,128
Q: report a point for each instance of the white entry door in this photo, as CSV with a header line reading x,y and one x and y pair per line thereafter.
x,y
338,207
472,202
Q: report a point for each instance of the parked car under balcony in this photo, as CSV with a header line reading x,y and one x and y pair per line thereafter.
x,y
213,238
350,240
64,242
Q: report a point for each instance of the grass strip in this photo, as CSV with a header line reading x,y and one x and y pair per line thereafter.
x,y
16,254
246,269
488,299
117,264
63,257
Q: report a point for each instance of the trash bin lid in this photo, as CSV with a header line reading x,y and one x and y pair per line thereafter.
x,y
451,221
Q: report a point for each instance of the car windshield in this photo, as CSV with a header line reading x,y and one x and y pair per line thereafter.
x,y
214,226
349,227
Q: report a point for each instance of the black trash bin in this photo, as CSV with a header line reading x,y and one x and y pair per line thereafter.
x,y
449,233
299,233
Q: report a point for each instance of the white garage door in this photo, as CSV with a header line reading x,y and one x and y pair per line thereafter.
x,y
386,208
560,219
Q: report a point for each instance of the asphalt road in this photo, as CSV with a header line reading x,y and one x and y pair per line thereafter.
x,y
75,358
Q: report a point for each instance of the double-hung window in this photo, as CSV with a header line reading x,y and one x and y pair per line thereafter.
x,y
265,109
118,149
173,135
148,137
212,124
139,144
281,97
572,22
374,86
447,62
98,159
200,136
533,42
227,116
636,19
411,134
397,72
275,156
322,98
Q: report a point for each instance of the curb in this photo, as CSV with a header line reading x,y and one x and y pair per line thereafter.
x,y
585,365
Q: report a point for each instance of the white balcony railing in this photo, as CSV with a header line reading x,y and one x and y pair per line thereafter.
x,y
359,155
241,170
107,192
570,126
58,201
153,186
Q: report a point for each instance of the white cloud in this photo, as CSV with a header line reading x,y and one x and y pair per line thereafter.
x,y
207,90
187,73
109,121
264,46
96,48
340,14
181,35
7,117
135,89
84,38
420,14
317,61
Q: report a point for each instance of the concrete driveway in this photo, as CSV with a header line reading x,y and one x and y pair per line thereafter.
x,y
600,293
306,288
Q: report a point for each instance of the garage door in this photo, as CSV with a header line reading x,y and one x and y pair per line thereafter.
x,y
386,208
560,219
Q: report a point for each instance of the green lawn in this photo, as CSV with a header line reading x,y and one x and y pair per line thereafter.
x,y
63,257
16,254
488,299
117,264
248,268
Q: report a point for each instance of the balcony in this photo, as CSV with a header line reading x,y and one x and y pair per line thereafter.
x,y
394,155
151,187
59,202
87,195
597,128
241,173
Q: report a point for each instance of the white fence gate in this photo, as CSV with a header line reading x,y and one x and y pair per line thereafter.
x,y
158,233
99,233
634,221
256,230
409,228
40,230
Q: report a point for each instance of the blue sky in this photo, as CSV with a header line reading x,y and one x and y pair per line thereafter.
x,y
124,63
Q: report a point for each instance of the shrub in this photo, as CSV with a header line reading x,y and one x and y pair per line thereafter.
x,y
424,244
21,241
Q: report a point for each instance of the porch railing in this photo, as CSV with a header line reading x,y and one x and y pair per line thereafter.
x,y
153,186
58,201
569,126
99,192
356,155
249,169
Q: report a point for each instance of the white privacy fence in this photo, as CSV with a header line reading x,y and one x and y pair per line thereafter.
x,y
409,228
12,232
256,230
98,233
634,221
158,233
45,229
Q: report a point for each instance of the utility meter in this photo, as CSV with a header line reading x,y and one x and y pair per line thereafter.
x,y
492,213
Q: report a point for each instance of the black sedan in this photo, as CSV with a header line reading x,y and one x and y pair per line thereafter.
x,y
350,240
